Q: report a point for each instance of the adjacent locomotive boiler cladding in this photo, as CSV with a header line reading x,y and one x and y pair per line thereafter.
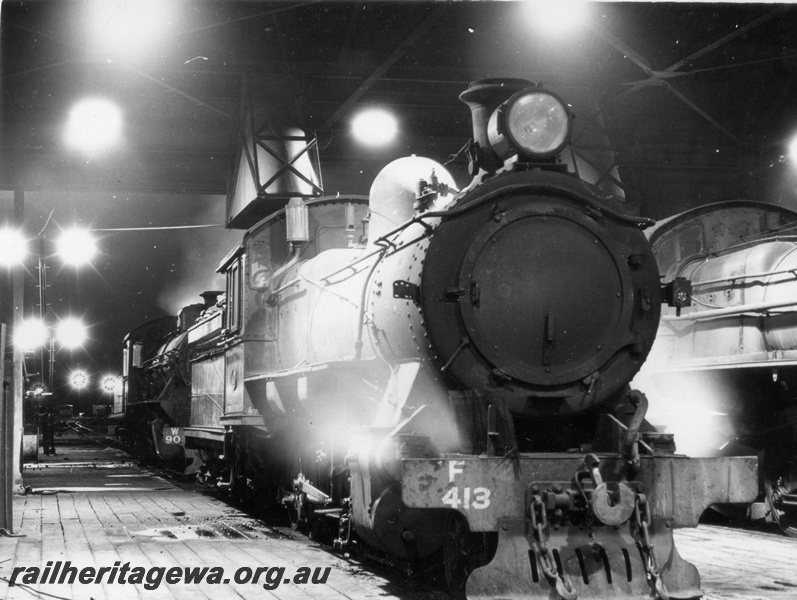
x,y
728,361
444,374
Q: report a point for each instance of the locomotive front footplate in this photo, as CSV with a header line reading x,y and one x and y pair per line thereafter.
x,y
595,535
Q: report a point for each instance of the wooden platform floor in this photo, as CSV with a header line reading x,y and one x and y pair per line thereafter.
x,y
736,564
94,510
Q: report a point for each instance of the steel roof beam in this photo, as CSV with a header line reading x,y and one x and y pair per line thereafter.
x,y
394,57
658,78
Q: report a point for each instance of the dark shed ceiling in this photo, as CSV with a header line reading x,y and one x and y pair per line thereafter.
x,y
697,99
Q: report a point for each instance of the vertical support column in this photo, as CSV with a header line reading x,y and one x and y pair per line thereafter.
x,y
14,412
6,445
42,273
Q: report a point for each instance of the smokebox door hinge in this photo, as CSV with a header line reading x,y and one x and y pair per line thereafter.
x,y
407,291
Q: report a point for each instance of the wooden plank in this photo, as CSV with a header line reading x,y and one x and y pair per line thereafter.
x,y
183,556
741,565
159,556
233,557
28,550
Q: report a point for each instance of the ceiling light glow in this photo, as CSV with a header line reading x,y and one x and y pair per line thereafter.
x,y
559,17
76,246
79,379
13,247
110,383
71,333
30,334
128,28
792,149
94,125
374,127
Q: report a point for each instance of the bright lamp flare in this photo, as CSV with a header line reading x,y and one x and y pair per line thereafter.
x,y
374,127
793,150
557,17
128,28
94,125
71,333
13,247
79,379
30,334
76,246
109,384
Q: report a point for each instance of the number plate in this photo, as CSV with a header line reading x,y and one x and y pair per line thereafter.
x,y
174,436
483,495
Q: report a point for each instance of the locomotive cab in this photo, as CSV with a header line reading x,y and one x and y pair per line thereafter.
x,y
251,375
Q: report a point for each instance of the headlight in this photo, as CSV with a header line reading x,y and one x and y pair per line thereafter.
x,y
533,123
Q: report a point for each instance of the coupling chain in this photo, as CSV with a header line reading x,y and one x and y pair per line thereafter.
x,y
643,522
540,525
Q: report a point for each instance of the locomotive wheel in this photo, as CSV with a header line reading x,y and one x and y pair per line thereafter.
x,y
456,555
298,513
780,472
243,493
781,490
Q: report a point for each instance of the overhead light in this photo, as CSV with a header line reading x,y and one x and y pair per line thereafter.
x,y
71,333
374,127
76,246
110,383
557,17
94,125
79,379
127,28
13,246
30,334
793,150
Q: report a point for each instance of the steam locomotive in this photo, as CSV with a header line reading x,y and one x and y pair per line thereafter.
x,y
728,361
443,375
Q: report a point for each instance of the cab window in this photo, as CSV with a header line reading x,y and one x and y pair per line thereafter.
x,y
234,295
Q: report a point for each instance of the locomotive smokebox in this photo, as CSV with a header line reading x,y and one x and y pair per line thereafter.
x,y
540,288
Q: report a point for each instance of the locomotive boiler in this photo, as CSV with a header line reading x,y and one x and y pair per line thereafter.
x,y
728,361
443,374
